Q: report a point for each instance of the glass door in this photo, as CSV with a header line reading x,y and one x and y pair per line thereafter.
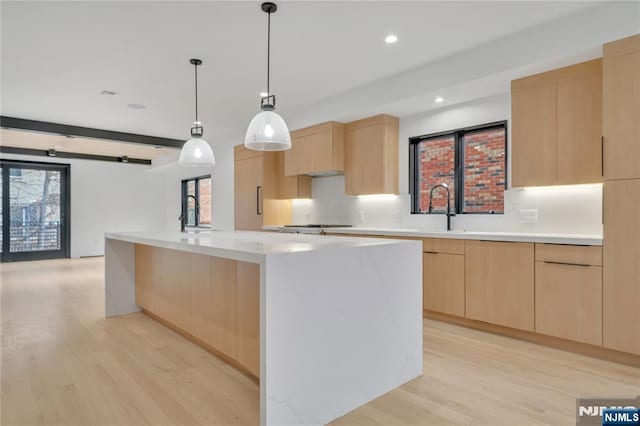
x,y
34,213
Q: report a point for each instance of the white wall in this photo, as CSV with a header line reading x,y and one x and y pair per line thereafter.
x,y
170,174
576,209
108,197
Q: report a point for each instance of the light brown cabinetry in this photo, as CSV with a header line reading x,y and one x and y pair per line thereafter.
x,y
211,299
499,283
257,180
621,195
579,129
443,283
569,292
316,150
291,187
557,126
443,288
621,263
533,113
621,111
371,156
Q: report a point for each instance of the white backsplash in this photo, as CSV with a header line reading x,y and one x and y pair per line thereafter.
x,y
568,209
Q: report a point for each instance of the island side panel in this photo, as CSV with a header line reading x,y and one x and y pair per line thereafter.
x,y
119,278
211,300
340,328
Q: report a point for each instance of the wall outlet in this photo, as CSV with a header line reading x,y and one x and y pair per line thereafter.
x,y
528,216
361,216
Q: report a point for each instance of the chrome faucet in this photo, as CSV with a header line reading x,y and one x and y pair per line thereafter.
x,y
449,214
183,217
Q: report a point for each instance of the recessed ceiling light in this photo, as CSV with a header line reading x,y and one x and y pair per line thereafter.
x,y
263,94
391,38
136,106
109,92
438,99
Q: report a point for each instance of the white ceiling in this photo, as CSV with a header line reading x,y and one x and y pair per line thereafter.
x,y
57,57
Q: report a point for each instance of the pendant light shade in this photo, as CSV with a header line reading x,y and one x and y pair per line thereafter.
x,y
196,152
268,131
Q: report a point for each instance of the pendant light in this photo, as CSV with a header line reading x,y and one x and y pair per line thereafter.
x,y
196,152
268,131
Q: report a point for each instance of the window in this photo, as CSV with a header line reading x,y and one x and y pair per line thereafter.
x,y
471,161
196,201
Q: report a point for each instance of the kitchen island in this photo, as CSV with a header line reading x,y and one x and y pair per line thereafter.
x,y
325,324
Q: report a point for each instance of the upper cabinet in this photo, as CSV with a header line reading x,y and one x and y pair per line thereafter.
x,y
621,111
557,126
371,156
316,150
290,187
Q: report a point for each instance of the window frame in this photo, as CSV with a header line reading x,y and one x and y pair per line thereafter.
x,y
184,202
458,178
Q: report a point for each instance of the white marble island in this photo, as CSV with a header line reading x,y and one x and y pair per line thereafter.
x,y
337,321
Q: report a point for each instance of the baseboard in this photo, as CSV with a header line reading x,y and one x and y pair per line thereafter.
x,y
541,339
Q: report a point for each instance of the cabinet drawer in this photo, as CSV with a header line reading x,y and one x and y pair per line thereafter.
x,y
443,245
581,255
569,302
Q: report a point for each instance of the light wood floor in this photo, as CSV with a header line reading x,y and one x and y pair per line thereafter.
x,y
64,363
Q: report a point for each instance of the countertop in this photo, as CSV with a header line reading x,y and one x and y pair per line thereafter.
x,y
242,245
530,237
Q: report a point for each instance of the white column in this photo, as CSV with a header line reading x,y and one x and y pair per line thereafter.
x,y
120,278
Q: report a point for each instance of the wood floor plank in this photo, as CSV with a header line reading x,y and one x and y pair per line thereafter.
x,y
64,363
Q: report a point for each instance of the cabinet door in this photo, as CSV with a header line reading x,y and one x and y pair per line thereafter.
x,y
621,116
373,159
499,283
322,151
569,301
353,169
533,145
621,266
580,130
300,159
443,283
248,176
292,158
307,159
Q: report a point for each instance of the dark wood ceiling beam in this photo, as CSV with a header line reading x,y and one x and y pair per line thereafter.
x,y
87,132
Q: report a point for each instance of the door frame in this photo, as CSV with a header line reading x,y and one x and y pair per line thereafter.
x,y
65,211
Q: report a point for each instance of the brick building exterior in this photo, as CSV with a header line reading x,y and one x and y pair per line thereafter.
x,y
484,169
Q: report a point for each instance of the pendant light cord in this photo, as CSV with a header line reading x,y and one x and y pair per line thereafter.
x,y
196,74
268,52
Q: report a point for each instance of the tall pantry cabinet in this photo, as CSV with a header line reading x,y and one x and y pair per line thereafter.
x,y
621,204
256,190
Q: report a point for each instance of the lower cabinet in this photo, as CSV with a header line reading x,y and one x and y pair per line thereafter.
x,y
556,290
500,284
569,301
443,283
